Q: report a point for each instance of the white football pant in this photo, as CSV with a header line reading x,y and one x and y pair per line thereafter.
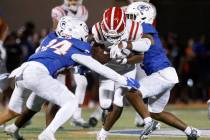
x,y
110,91
35,77
157,87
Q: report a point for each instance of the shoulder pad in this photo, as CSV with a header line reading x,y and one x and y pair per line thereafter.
x,y
84,10
57,12
97,33
83,46
49,37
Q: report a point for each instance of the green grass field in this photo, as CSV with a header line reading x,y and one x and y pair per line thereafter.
x,y
195,117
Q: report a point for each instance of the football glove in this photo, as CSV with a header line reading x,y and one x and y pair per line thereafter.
x,y
132,83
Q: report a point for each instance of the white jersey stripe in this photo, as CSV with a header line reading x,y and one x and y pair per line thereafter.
x,y
112,18
134,30
99,30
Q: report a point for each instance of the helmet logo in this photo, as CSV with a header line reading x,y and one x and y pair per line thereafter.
x,y
116,20
143,8
63,25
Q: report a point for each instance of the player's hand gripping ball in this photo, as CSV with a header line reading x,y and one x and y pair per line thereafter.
x,y
100,53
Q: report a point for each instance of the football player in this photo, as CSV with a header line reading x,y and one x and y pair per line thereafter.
x,y
5,90
112,29
161,76
3,33
98,113
131,1
75,10
63,49
71,8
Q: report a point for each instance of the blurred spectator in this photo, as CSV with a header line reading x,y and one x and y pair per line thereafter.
x,y
200,47
21,44
26,40
173,49
14,52
187,72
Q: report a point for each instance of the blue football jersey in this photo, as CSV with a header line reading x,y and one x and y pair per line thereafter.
x,y
55,53
155,58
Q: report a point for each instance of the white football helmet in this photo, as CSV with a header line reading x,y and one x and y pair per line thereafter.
x,y
73,4
131,1
143,12
72,28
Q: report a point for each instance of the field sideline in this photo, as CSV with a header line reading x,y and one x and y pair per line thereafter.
x,y
196,117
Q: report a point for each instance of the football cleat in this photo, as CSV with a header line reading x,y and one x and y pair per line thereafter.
x,y
80,123
13,132
149,128
93,122
101,137
46,136
194,135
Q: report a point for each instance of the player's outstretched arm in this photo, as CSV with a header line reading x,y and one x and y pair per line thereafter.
x,y
94,65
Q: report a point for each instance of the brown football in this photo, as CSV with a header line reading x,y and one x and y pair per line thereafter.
x,y
100,54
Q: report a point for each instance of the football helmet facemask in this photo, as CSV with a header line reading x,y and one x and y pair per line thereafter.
x,y
72,28
113,24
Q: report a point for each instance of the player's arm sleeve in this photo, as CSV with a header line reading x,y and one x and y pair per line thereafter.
x,y
141,45
55,15
85,15
103,70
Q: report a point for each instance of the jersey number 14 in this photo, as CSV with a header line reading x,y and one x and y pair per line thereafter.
x,y
60,48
